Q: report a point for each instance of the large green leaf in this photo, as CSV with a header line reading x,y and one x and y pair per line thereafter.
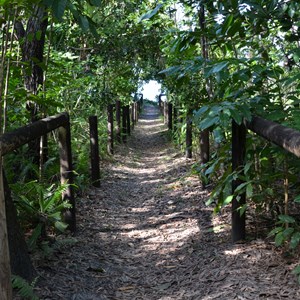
x,y
151,13
58,8
286,219
208,122
295,240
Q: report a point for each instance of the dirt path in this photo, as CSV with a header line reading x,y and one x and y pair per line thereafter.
x,y
146,234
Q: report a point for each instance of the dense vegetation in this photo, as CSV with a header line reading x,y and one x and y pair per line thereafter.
x,y
216,60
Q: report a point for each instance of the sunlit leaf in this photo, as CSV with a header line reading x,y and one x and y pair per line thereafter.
x,y
151,13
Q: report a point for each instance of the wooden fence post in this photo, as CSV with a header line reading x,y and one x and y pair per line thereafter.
x,y
66,172
170,116
159,102
124,125
165,112
132,115
136,116
95,161
189,134
118,121
238,160
204,146
139,108
128,120
110,129
5,272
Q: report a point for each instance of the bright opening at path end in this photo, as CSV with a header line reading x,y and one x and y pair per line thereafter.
x,y
150,90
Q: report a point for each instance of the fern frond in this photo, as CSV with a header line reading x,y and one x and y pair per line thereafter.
x,y
25,289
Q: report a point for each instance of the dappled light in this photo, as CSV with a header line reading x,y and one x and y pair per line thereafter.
x,y
178,128
147,233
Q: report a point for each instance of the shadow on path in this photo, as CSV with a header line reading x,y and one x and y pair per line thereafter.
x,y
147,234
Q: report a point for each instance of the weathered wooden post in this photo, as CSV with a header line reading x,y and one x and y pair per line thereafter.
x,y
110,129
189,134
128,120
159,102
204,146
5,272
124,125
118,121
165,112
66,172
94,144
142,100
238,159
132,115
136,114
138,108
170,116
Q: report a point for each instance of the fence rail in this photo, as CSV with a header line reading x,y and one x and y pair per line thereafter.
x,y
282,136
12,140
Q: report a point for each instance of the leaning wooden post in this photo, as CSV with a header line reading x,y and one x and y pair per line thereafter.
x,y
110,129
189,134
238,159
124,125
5,272
95,161
118,121
66,172
170,116
128,120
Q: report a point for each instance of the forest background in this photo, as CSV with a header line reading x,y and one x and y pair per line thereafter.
x,y
216,61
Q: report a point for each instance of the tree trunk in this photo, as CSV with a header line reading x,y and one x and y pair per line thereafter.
x,y
32,43
204,135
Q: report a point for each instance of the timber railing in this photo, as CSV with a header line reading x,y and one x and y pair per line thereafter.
x,y
284,137
126,117
10,141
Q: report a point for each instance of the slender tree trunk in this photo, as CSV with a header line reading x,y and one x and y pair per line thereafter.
x,y
32,43
204,135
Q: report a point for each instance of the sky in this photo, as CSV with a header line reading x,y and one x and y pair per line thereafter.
x,y
150,90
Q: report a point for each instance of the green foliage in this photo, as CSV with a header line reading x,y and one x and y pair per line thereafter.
x,y
25,289
40,208
287,230
48,248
